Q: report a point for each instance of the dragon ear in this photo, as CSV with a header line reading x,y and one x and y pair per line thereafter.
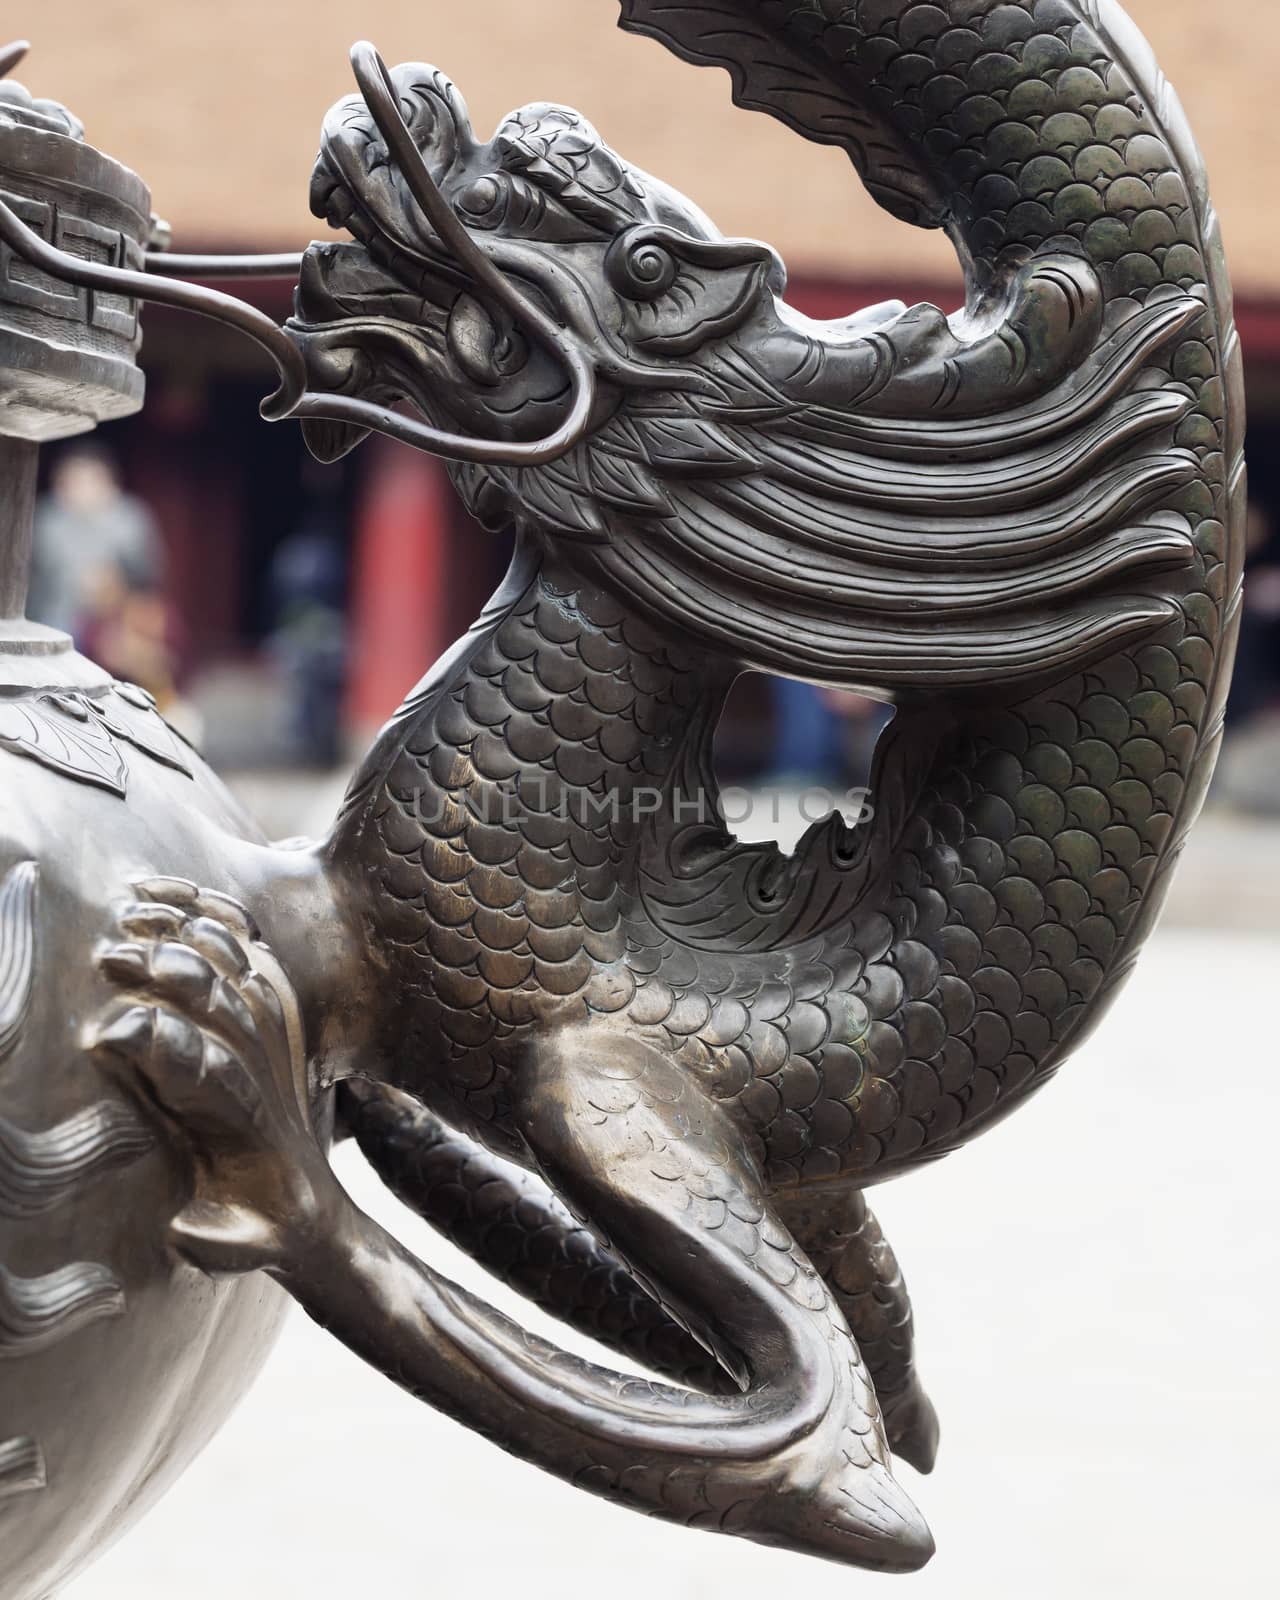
x,y
676,292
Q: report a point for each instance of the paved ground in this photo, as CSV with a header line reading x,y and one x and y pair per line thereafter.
x,y
1097,1285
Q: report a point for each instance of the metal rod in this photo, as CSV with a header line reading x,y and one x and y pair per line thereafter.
x,y
164,264
19,459
380,96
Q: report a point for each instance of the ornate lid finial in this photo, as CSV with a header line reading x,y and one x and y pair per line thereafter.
x,y
11,55
19,105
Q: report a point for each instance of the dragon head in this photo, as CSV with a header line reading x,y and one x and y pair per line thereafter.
x,y
625,264
893,498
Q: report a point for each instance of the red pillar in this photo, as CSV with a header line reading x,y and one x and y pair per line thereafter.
x,y
400,618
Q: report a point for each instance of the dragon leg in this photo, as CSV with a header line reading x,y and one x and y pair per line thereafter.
x,y
508,1220
843,1239
626,1136
208,1028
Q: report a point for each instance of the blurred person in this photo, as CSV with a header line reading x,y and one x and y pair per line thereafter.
x,y
821,736
88,535
308,576
808,742
131,630
1256,685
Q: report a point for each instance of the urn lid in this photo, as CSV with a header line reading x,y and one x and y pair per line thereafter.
x,y
68,356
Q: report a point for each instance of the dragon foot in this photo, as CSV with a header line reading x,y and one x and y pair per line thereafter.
x,y
210,1032
630,1141
208,1028
912,1426
844,1240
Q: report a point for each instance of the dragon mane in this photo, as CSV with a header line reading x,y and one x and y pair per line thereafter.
x,y
903,537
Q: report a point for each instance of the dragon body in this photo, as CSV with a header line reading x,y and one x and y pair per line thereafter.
x,y
875,1000
1017,523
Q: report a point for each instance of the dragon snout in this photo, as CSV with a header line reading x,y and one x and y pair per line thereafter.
x,y
356,183
321,328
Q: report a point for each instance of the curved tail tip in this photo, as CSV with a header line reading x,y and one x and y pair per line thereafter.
x,y
902,1544
859,1516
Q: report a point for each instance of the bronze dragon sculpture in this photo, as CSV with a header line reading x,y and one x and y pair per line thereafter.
x,y
641,1071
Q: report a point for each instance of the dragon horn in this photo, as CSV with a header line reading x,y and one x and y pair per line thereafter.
x,y
374,82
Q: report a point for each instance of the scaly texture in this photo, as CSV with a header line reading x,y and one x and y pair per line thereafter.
x,y
504,1217
1022,523
1028,865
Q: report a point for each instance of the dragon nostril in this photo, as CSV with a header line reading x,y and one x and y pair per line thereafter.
x,y
334,369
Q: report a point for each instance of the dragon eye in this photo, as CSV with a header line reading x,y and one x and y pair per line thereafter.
x,y
638,267
484,200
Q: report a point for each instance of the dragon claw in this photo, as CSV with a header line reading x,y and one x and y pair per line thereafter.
x,y
210,1029
147,919
166,891
911,1424
125,964
219,947
126,1036
180,973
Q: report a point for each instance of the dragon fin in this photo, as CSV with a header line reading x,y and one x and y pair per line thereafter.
x,y
793,83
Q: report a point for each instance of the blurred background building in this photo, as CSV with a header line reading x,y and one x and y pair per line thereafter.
x,y
302,602
1099,1330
